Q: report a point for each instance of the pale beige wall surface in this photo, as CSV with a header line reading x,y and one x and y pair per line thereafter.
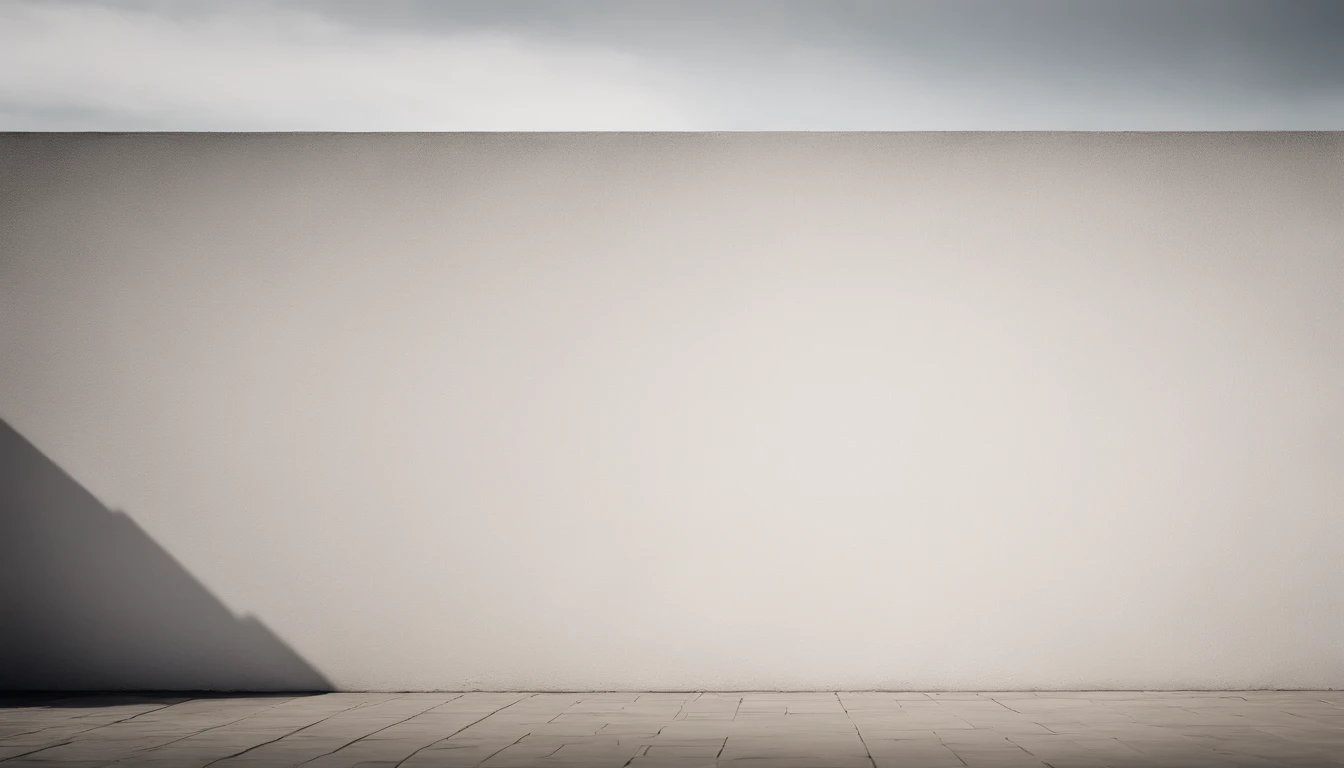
x,y
735,411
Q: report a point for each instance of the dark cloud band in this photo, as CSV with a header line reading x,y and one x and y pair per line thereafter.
x,y
859,65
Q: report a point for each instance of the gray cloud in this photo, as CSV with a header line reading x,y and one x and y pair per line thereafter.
x,y
749,64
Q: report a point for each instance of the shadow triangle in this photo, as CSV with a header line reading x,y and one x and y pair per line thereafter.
x,y
92,603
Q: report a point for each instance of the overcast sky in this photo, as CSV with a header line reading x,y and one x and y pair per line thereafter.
x,y
672,65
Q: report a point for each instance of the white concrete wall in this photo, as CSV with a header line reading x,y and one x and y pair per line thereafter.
x,y
735,411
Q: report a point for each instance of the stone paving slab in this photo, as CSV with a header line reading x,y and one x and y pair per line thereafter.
x,y
1103,729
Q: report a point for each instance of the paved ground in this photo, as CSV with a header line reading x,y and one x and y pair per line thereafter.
x,y
678,730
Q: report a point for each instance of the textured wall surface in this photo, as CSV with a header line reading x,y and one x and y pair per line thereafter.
x,y
672,411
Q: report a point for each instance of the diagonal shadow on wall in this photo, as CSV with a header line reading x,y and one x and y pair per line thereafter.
x,y
91,603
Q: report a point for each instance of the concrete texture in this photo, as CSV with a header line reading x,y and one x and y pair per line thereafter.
x,y
681,730
673,411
